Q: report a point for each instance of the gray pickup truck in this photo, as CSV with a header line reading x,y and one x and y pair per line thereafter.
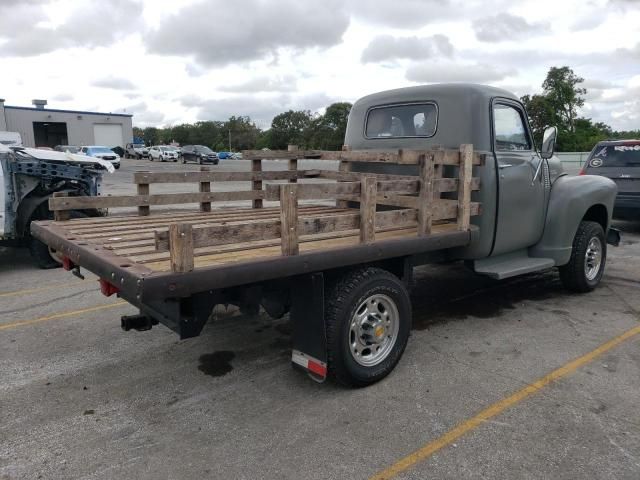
x,y
438,173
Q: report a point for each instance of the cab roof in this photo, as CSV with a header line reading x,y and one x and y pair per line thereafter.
x,y
463,115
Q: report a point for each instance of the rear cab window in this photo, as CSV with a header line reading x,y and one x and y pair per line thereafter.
x,y
402,121
622,155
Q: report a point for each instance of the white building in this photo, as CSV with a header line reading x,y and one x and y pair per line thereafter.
x,y
46,127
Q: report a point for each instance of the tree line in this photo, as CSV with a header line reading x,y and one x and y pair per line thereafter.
x,y
562,95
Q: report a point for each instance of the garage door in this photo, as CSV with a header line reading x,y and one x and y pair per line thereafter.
x,y
108,135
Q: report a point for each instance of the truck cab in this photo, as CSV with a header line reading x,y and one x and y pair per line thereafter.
x,y
531,210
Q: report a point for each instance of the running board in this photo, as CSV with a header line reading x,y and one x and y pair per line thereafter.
x,y
511,265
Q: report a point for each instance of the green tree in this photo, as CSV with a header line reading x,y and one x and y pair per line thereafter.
x,y
562,91
327,131
290,128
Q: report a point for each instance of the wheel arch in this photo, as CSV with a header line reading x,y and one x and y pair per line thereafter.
x,y
573,200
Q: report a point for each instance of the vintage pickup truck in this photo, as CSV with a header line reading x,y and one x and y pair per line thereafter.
x,y
430,173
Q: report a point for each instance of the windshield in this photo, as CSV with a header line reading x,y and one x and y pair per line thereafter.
x,y
204,150
615,156
138,146
100,150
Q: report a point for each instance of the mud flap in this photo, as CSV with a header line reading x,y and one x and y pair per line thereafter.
x,y
307,318
613,236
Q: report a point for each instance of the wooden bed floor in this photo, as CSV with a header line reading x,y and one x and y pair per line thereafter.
x,y
132,237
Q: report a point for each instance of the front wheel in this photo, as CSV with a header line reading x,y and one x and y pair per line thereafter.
x,y
368,319
588,257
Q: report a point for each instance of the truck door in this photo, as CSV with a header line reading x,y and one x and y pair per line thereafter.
x,y
521,211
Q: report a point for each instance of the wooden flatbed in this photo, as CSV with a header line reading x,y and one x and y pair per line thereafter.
x,y
339,218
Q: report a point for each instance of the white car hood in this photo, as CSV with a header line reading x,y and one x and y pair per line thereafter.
x,y
60,157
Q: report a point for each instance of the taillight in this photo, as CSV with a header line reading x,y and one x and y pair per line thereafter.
x,y
583,170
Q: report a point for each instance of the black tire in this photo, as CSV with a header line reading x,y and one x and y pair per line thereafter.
x,y
574,275
117,166
151,158
343,300
199,160
41,254
216,161
184,160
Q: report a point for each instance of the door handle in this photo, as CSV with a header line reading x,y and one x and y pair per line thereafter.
x,y
504,165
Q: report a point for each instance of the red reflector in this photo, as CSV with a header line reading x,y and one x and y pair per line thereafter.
x,y
67,264
107,288
317,368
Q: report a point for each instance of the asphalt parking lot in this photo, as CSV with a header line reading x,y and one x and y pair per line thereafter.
x,y
80,398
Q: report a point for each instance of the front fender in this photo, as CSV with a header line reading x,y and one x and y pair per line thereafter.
x,y
569,201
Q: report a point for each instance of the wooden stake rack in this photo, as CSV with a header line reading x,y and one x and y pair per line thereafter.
x,y
181,241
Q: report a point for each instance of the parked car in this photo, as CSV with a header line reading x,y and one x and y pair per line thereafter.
x,y
619,160
162,153
237,156
66,148
176,149
136,150
225,155
104,153
199,154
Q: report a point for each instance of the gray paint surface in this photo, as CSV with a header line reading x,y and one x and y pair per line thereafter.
x,y
80,124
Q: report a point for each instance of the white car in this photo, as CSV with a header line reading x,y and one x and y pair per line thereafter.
x,y
105,153
162,153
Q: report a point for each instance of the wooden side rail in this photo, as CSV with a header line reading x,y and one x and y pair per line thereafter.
x,y
208,176
61,203
406,157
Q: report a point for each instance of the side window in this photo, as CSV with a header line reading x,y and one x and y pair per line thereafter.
x,y
510,130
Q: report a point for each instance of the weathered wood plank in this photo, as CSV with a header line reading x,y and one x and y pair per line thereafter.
x,y
194,177
247,231
59,215
426,195
143,189
76,203
289,219
205,187
407,157
368,194
181,247
464,186
256,185
308,191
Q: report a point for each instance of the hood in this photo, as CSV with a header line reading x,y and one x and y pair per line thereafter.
x,y
66,157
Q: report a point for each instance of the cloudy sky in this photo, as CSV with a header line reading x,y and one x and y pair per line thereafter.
x,y
172,61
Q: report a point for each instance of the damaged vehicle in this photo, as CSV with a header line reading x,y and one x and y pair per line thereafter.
x,y
28,178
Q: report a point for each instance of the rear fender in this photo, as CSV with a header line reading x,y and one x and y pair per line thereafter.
x,y
573,199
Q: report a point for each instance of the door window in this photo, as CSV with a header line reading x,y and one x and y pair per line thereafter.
x,y
510,130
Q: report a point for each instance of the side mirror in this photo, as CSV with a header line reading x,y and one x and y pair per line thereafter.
x,y
548,142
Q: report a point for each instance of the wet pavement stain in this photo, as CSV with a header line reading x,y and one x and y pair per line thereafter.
x,y
216,364
458,294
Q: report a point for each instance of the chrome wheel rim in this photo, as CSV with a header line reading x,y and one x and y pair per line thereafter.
x,y
373,330
593,258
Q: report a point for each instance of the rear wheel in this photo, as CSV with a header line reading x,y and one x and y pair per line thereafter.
x,y
368,318
588,257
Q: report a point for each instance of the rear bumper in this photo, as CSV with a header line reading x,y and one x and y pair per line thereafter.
x,y
627,205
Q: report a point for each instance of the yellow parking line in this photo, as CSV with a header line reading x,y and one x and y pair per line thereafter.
x,y
40,289
465,427
70,313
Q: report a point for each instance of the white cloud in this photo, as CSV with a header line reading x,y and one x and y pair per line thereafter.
x,y
456,72
218,32
505,26
386,47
